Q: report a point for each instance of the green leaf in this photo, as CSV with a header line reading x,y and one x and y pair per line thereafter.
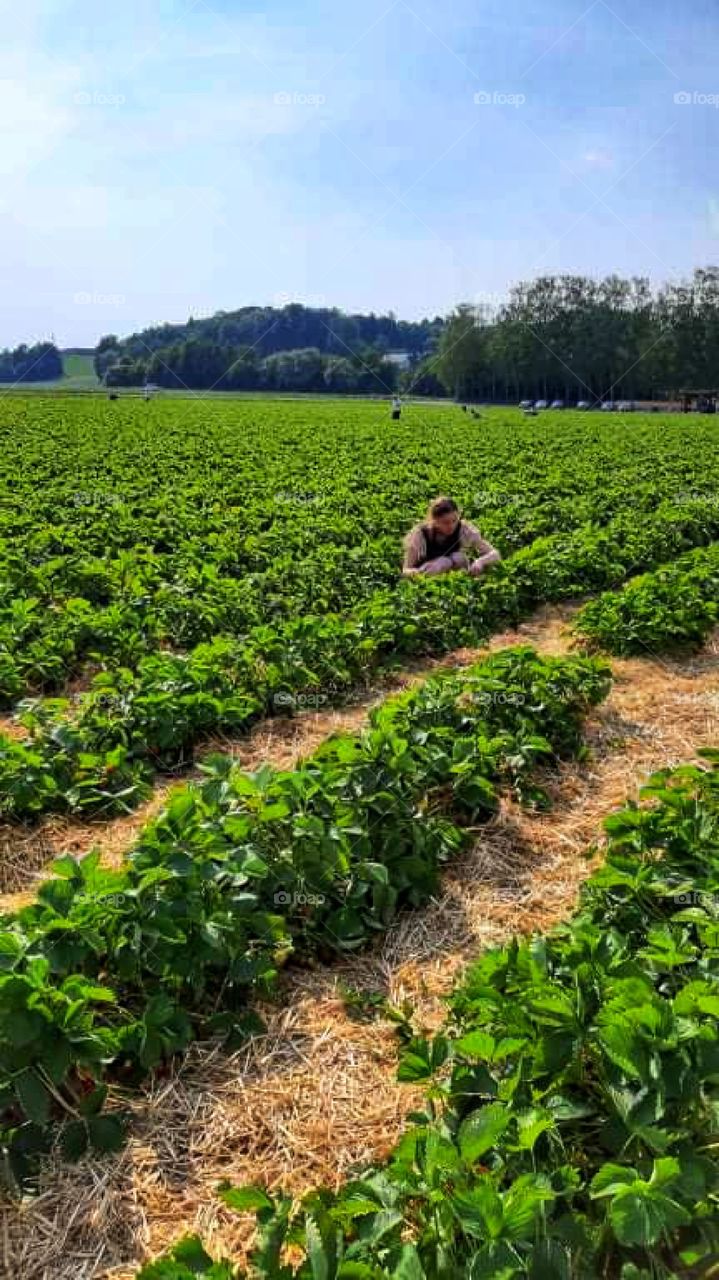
x,y
479,1210
74,1140
549,1260
625,1049
93,1103
409,1266
422,1058
192,1255
522,1203
612,1178
640,1215
106,1133
33,1097
245,1199
480,1131
531,1124
320,1262
478,1044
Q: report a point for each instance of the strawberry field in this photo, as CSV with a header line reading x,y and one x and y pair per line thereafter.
x,y
177,570
174,569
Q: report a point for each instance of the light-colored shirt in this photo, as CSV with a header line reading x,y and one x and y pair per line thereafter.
x,y
415,546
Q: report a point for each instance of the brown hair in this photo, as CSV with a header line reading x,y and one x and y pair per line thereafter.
x,y
442,507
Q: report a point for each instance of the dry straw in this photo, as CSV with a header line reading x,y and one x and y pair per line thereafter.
x,y
316,1097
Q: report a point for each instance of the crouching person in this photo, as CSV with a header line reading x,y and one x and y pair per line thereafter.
x,y
444,542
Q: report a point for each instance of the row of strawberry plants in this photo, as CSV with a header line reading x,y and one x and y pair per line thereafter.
x,y
676,606
110,972
117,615
572,1117
87,608
126,529
102,758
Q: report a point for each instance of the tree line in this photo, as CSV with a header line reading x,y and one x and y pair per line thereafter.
x,y
576,338
268,331
41,363
566,336
208,366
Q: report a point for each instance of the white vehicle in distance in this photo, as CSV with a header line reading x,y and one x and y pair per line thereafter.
x,y
583,404
607,406
526,404
541,404
557,404
626,406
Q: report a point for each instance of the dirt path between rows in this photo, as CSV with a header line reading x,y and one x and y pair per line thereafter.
x,y
27,850
316,1097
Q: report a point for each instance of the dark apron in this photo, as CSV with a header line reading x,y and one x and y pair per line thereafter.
x,y
437,545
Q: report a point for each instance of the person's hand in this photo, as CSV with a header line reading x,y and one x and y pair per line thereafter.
x,y
484,562
459,560
441,565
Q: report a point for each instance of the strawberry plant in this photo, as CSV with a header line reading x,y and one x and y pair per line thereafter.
x,y
263,558
246,868
676,606
570,1126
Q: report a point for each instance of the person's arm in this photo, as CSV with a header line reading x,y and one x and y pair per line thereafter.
x,y
486,553
414,551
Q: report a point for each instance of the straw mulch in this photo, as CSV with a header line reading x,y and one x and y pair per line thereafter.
x,y
316,1097
28,849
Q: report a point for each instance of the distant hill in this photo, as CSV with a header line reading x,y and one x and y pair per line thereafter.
x,y
270,348
268,330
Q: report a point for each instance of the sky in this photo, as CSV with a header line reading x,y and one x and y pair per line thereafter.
x,y
166,158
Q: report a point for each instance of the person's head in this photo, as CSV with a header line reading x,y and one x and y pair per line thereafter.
x,y
443,515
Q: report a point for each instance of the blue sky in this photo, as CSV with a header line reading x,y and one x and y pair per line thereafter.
x,y
166,157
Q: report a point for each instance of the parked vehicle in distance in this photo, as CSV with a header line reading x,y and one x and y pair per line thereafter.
x,y
541,404
583,404
607,406
557,404
626,406
526,404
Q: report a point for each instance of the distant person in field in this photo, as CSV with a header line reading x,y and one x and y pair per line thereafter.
x,y
441,542
396,409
